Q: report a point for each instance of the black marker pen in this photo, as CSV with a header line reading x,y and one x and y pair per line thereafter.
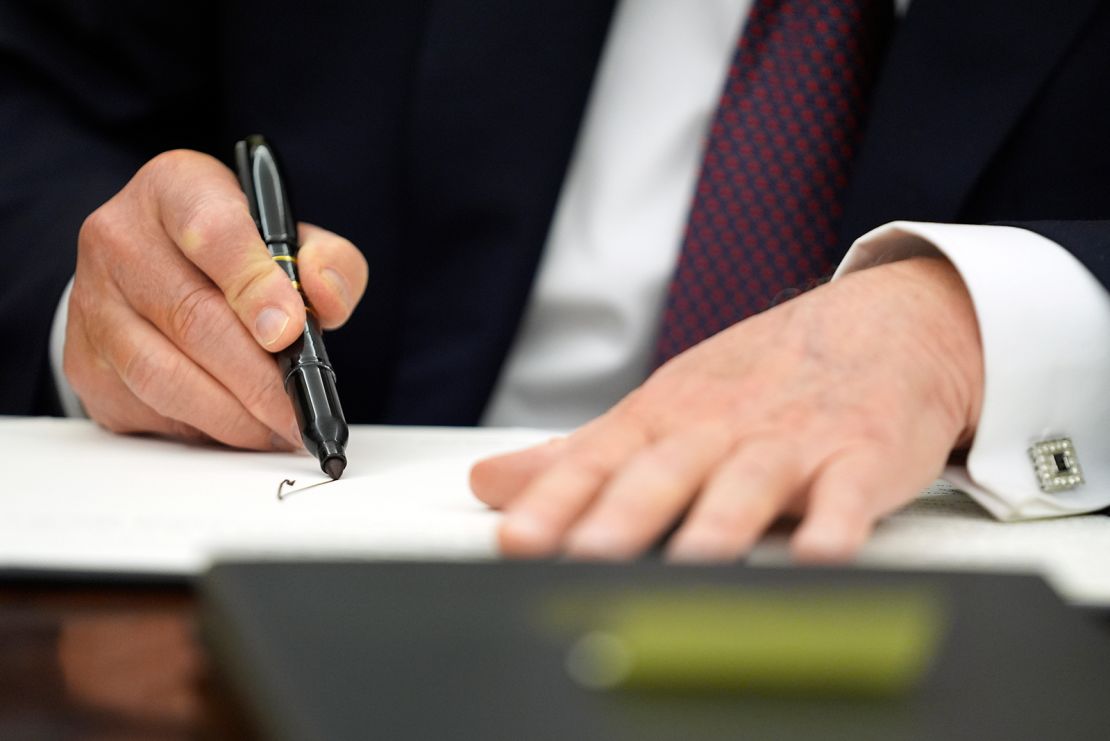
x,y
307,373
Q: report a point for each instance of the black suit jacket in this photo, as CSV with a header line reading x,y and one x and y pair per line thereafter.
x,y
436,134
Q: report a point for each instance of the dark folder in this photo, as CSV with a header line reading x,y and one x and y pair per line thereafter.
x,y
467,651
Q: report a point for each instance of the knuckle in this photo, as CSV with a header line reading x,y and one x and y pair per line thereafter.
x,y
251,282
193,316
665,468
755,468
170,158
586,461
669,459
151,375
101,230
765,459
634,402
638,412
234,428
208,221
722,521
261,392
91,227
173,161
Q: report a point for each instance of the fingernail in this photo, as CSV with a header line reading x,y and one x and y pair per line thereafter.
x,y
337,284
685,553
295,436
270,324
524,529
691,550
591,544
822,545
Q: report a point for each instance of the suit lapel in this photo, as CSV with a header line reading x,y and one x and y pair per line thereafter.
x,y
957,79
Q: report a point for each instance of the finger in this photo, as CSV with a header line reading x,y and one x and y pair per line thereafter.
x,y
168,382
202,209
845,499
648,494
112,405
195,316
538,519
740,501
126,414
333,273
497,480
104,397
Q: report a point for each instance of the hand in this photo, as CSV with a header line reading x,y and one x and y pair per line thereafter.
x,y
838,406
176,308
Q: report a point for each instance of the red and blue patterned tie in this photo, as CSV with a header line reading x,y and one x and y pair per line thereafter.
x,y
763,223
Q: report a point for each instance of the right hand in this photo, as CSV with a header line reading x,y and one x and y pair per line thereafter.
x,y
176,308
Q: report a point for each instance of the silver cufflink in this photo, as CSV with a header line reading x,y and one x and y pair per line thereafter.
x,y
1056,465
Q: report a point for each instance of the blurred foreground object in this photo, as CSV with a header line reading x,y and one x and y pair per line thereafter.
x,y
796,641
479,651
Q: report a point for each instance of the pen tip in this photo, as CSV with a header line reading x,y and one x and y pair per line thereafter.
x,y
334,466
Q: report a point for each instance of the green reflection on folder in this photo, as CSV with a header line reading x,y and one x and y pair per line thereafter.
x,y
818,641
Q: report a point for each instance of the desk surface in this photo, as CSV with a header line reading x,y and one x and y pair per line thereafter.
x,y
120,662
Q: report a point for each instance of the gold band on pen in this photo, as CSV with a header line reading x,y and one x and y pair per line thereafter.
x,y
283,258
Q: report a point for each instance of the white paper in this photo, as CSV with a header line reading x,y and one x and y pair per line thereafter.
x,y
77,498
945,529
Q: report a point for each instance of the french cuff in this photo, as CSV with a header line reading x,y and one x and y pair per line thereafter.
x,y
1044,322
71,405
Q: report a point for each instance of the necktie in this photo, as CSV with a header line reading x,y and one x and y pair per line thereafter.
x,y
767,202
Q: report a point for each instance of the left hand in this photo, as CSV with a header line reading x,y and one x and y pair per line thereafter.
x,y
838,406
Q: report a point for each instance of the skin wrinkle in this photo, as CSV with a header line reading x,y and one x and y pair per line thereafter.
x,y
194,321
941,357
951,349
188,316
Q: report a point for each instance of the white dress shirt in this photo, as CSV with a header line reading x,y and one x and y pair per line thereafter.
x,y
588,332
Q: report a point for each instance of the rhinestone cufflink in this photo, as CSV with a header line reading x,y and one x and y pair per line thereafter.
x,y
1056,465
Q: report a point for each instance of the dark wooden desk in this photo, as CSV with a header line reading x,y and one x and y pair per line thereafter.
x,y
116,662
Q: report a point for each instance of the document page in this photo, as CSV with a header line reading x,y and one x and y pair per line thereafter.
x,y
78,498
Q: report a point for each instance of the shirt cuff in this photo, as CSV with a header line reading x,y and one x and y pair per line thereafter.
x,y
71,405
1044,322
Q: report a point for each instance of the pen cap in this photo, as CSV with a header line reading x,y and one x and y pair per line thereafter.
x,y
324,431
260,176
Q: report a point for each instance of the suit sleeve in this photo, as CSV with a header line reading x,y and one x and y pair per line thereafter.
x,y
88,92
1044,321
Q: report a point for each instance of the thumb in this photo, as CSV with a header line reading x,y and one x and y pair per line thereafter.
x,y
333,274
